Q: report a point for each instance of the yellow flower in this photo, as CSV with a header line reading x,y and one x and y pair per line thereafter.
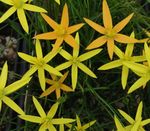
x,y
123,57
39,63
137,124
62,32
118,125
46,121
20,6
56,85
4,91
79,127
75,61
141,70
110,33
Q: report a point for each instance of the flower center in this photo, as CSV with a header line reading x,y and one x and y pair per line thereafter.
x,y
75,60
18,3
40,62
61,31
110,33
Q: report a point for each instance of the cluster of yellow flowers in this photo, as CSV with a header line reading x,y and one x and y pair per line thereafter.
x,y
63,33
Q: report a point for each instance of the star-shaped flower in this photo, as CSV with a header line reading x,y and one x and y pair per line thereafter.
x,y
110,33
4,91
76,62
39,64
137,124
20,6
141,70
56,85
46,121
123,57
79,127
62,32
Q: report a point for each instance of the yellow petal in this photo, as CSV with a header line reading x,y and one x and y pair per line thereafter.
x,y
118,124
89,54
136,125
76,51
48,91
65,54
23,20
71,41
123,23
111,65
38,107
12,105
16,85
130,46
8,13
147,53
53,110
63,66
136,67
139,111
88,125
125,39
31,71
110,47
107,19
58,1
86,70
74,28
95,26
57,44
52,70
33,8
3,76
139,83
65,17
34,119
127,117
124,77
78,121
51,55
97,43
46,36
62,121
51,22
74,76
9,2
118,52
27,58
61,127
145,122
41,76
39,53
138,58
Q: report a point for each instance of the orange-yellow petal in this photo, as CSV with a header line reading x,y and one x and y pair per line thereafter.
x,y
46,36
123,23
125,39
97,43
74,28
65,17
107,19
95,26
50,21
110,47
71,41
